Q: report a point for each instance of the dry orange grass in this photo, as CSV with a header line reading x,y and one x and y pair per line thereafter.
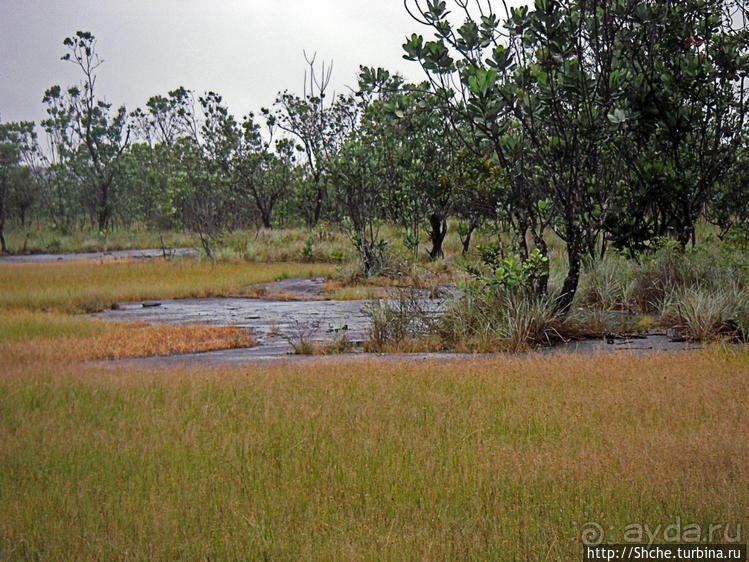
x,y
116,340
501,459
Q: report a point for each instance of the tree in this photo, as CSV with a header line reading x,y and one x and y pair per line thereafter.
x,y
149,164
479,189
18,156
93,138
550,94
685,105
550,80
358,184
166,119
421,149
320,127
267,176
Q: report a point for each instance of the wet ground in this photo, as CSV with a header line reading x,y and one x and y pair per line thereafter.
x,y
115,255
299,315
275,324
275,351
297,312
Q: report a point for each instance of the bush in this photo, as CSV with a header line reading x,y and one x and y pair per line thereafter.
x,y
671,270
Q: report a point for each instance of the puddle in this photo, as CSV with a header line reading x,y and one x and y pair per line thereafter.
x,y
115,255
642,345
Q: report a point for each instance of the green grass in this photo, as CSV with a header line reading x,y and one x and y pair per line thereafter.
x,y
23,325
46,240
503,460
86,286
325,242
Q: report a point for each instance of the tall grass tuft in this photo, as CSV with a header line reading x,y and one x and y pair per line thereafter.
x,y
604,284
708,313
405,320
479,319
671,270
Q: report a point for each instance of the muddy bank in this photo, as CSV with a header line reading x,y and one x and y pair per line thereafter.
x,y
115,255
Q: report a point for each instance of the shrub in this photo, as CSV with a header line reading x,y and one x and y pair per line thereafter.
x,y
671,270
604,284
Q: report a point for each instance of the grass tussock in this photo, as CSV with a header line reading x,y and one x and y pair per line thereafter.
x,y
27,337
702,292
88,287
503,459
709,314
482,319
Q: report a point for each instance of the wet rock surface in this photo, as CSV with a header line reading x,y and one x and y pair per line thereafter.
x,y
279,324
115,255
649,343
299,288
275,324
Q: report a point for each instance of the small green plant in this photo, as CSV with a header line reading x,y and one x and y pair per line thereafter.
x,y
491,254
514,275
308,251
411,242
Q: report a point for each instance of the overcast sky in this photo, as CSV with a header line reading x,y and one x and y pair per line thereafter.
x,y
247,51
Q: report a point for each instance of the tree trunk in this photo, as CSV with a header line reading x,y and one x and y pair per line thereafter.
x,y
542,285
3,247
102,219
574,253
104,213
437,235
467,240
319,198
265,218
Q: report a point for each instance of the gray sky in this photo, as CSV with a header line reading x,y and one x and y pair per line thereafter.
x,y
245,50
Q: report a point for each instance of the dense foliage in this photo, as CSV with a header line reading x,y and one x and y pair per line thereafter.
x,y
609,122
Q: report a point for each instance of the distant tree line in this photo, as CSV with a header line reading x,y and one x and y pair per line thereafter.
x,y
608,122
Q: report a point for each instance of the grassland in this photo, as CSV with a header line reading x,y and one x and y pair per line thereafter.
x,y
41,239
502,459
505,459
87,287
39,301
324,243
